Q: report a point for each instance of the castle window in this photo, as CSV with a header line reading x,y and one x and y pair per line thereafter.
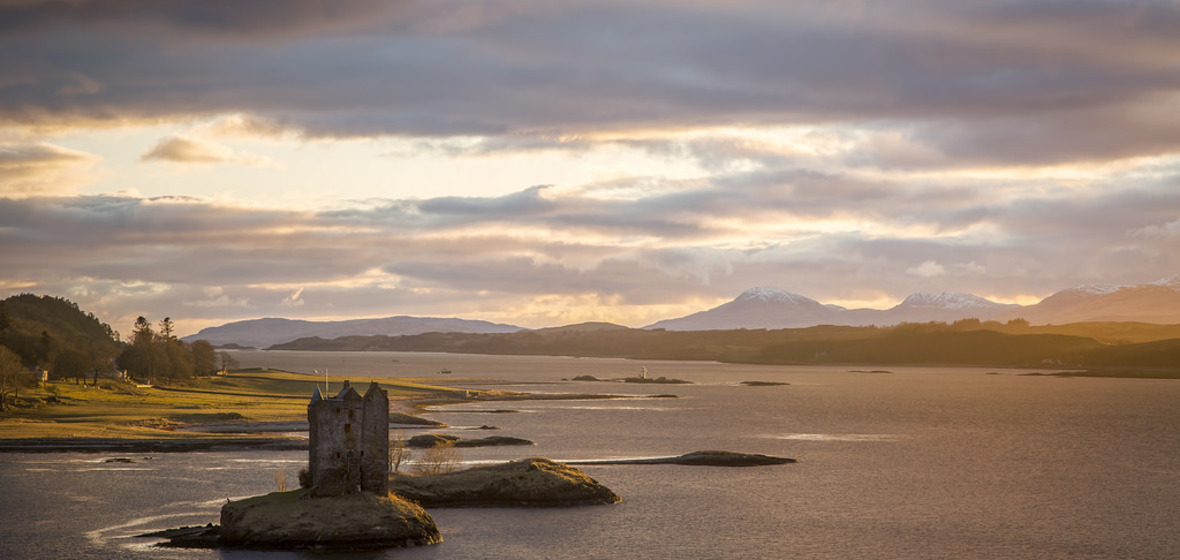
x,y
347,429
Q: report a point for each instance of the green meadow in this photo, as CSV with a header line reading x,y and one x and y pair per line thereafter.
x,y
122,409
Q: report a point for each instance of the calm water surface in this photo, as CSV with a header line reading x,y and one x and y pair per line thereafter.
x,y
915,463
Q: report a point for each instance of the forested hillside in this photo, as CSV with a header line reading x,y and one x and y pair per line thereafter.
x,y
53,333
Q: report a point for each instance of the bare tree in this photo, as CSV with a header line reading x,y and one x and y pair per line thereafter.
x,y
226,361
399,452
12,375
443,458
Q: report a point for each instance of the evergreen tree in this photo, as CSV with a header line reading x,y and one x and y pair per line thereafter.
x,y
159,356
41,328
72,364
143,359
204,358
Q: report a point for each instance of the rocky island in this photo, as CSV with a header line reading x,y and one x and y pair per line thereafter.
x,y
699,458
426,441
354,521
536,481
640,379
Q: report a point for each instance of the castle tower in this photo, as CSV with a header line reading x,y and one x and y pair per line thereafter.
x,y
348,441
375,440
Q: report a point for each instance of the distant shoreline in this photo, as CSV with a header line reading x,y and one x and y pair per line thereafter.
x,y
134,446
237,412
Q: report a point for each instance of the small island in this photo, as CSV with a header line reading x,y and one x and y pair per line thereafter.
x,y
710,458
657,380
533,482
426,441
352,521
638,379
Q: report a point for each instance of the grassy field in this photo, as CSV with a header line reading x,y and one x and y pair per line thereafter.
x,y
120,409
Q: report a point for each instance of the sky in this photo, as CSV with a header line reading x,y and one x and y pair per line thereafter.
x,y
549,162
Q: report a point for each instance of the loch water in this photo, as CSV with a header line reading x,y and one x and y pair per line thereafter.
x,y
894,462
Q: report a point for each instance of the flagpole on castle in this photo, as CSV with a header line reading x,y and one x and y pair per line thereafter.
x,y
325,380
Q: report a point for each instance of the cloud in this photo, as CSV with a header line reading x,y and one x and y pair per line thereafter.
x,y
215,297
1167,231
485,256
188,149
245,20
294,300
41,168
928,269
248,126
82,86
530,202
1040,83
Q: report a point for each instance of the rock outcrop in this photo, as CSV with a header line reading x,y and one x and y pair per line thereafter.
x,y
528,482
358,521
426,441
706,458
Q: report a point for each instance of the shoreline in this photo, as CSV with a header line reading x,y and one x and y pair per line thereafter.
x,y
246,411
148,445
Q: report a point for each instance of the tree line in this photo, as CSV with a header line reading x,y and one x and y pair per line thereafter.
x,y
157,355
53,334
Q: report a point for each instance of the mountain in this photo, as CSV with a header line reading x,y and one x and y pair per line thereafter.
x,y
945,307
771,308
261,333
757,308
1154,302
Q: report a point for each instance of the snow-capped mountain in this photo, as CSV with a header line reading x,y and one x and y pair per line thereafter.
x,y
771,308
774,296
261,333
1173,282
756,308
946,306
1153,302
947,300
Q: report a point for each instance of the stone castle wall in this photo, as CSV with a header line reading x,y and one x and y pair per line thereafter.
x,y
348,441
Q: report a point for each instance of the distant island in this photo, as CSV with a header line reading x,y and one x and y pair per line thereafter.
x,y
654,380
1091,346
